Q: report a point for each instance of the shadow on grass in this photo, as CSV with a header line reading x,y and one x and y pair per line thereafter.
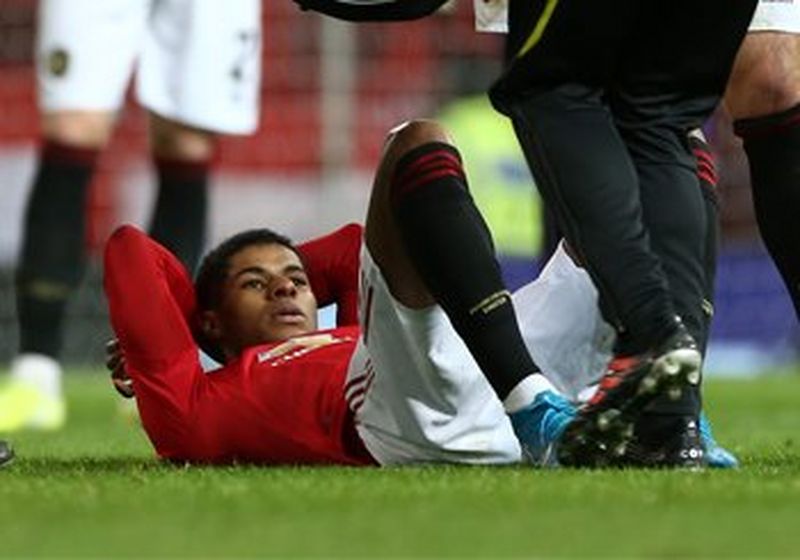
x,y
51,466
67,466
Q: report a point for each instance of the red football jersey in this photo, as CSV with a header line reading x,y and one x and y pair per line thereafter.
x,y
280,403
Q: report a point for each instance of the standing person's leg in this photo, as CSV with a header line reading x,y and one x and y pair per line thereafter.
x,y
183,157
554,91
668,85
597,204
763,97
715,455
85,52
588,177
199,76
558,92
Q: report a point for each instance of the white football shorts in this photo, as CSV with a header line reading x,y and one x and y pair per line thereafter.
x,y
559,317
770,15
416,392
777,15
196,61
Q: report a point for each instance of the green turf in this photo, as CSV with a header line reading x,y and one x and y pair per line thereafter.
x,y
94,490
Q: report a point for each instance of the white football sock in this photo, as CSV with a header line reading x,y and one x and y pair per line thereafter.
x,y
526,391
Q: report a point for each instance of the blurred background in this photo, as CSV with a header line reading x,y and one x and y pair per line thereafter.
x,y
330,93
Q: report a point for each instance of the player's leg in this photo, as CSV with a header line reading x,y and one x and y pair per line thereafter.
x,y
715,455
763,97
84,56
660,96
565,333
432,246
598,206
555,94
199,75
668,433
182,156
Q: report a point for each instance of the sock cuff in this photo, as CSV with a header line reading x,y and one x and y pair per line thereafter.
x,y
767,125
526,391
57,153
182,170
424,165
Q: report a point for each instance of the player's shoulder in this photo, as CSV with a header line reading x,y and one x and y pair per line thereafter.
x,y
349,233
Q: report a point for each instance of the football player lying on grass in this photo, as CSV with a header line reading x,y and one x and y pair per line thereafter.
x,y
427,363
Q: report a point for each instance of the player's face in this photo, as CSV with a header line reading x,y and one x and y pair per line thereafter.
x,y
266,298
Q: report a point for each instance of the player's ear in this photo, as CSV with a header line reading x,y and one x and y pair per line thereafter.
x,y
210,325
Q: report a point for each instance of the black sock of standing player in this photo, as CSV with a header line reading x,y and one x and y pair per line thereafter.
x,y
772,144
451,246
179,218
52,260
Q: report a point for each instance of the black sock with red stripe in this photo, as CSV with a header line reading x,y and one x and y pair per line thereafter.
x,y
179,218
772,144
452,249
53,256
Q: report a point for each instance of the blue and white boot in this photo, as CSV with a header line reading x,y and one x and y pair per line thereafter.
x,y
716,456
539,426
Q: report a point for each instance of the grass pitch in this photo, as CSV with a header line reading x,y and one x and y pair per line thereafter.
x,y
94,489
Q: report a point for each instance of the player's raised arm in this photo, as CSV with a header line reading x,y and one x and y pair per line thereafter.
x,y
332,265
373,10
151,302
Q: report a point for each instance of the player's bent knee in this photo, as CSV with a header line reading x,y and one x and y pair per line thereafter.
x,y
411,134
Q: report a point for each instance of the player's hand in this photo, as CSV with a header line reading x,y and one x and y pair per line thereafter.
x,y
115,362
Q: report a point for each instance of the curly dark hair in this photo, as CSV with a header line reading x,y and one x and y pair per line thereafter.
x,y
214,270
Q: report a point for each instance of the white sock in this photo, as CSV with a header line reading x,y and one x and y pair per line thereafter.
x,y
526,391
39,371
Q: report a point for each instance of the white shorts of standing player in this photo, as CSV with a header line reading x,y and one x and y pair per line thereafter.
x,y
196,61
491,16
777,15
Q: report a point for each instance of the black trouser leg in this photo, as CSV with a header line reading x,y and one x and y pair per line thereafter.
x,y
586,176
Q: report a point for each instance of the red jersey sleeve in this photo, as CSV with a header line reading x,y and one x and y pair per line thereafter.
x,y
332,263
151,299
